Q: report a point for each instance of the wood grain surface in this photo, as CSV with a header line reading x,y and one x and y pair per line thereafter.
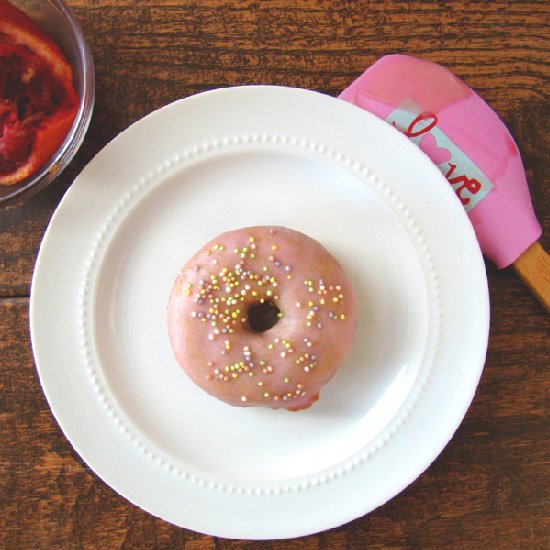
x,y
490,487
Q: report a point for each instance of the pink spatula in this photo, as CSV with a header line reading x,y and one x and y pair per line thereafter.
x,y
473,149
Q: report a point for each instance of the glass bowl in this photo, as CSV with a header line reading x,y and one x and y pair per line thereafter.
x,y
54,17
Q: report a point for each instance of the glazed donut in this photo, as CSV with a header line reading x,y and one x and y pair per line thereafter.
x,y
262,316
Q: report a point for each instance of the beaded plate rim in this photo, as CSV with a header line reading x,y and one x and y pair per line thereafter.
x,y
186,158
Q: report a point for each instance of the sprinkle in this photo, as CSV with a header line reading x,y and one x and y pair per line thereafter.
x,y
298,304
274,247
287,380
288,268
244,398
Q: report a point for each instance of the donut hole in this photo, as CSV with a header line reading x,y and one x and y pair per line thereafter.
x,y
263,316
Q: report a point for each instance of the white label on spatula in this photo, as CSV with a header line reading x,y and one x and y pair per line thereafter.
x,y
469,183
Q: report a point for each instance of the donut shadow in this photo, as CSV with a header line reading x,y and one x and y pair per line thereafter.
x,y
373,367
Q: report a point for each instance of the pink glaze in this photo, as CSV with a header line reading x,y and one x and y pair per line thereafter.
x,y
286,365
455,127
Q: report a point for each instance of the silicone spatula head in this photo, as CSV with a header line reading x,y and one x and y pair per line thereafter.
x,y
465,138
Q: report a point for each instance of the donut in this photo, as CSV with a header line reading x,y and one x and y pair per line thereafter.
x,y
262,316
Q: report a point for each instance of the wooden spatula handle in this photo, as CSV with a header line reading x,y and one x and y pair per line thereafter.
x,y
533,268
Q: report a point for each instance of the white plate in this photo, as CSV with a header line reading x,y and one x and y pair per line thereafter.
x,y
259,156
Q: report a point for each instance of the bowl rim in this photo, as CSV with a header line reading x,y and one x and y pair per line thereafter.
x,y
74,138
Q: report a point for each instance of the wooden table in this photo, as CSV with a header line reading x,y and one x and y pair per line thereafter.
x,y
490,487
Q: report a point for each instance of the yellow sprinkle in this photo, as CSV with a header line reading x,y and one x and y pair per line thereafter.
x,y
310,303
251,239
287,380
335,299
274,247
342,316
